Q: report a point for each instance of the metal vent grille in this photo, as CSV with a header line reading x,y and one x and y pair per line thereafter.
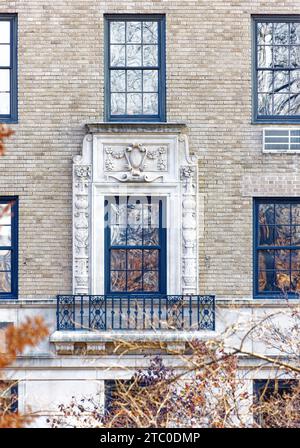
x,y
283,140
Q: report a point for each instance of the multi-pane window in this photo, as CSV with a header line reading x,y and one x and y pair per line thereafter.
x,y
135,245
8,68
8,397
277,247
277,68
270,395
135,68
8,247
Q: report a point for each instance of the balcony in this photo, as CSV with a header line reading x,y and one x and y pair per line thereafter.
x,y
96,324
140,312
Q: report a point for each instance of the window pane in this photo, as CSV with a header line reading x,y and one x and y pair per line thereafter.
x,y
295,282
295,230
295,260
295,57
151,237
117,55
118,260
283,281
118,281
151,281
117,32
265,81
150,103
118,235
5,235
295,104
282,213
281,33
134,281
117,80
150,81
134,235
281,81
4,80
5,214
295,33
5,260
150,55
134,104
266,235
4,32
281,104
134,80
134,55
264,55
282,235
266,213
265,104
134,32
5,282
267,281
295,213
282,260
151,259
280,56
295,81
150,32
266,260
4,55
264,33
135,259
118,103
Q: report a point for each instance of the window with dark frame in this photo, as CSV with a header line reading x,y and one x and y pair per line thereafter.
x,y
276,68
8,397
135,245
135,67
277,247
8,247
266,389
8,68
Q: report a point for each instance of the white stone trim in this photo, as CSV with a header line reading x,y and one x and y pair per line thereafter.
x,y
156,164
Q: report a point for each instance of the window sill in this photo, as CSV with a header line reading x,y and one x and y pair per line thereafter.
x,y
116,127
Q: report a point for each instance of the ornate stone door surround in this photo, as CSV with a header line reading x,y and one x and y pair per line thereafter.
x,y
134,159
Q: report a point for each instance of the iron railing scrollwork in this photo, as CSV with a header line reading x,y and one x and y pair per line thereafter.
x,y
135,312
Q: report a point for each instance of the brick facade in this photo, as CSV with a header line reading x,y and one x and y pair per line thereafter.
x,y
60,65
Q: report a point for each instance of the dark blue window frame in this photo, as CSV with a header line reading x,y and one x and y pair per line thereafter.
x,y
162,272
256,118
277,294
13,116
161,67
13,247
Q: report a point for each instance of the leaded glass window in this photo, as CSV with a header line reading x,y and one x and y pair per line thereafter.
x,y
135,245
135,68
8,247
8,68
277,247
277,68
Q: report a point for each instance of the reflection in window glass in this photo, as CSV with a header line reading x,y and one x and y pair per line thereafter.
x,y
278,246
135,56
277,67
135,244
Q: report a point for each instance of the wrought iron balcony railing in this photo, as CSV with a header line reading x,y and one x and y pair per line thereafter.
x,y
130,312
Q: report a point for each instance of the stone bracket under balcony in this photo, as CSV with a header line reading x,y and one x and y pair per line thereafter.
x,y
100,343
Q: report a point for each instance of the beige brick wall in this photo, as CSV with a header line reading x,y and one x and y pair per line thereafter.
x,y
208,87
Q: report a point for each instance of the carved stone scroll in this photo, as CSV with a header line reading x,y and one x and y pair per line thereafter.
x,y
81,181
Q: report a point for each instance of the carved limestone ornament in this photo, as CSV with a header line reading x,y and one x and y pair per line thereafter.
x,y
81,180
188,177
136,162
